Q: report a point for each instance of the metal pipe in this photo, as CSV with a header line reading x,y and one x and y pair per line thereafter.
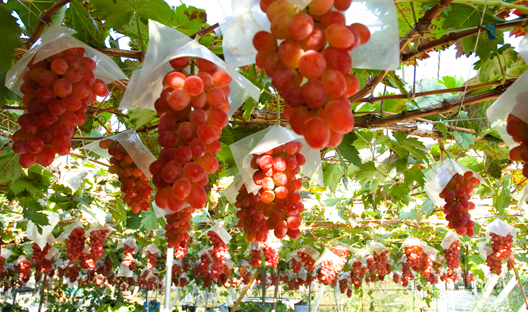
x,y
168,279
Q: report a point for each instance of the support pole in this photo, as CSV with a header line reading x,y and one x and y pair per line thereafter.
x,y
310,297
42,292
168,279
276,289
263,287
147,300
14,300
319,297
519,281
243,293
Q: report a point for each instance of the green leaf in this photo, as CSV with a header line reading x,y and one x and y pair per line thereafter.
x,y
440,126
118,13
334,215
249,107
10,37
476,259
32,210
414,174
349,151
464,139
412,145
149,221
366,172
452,82
407,213
140,117
10,169
79,18
428,207
29,12
332,176
490,68
133,220
521,257
24,184
189,19
399,191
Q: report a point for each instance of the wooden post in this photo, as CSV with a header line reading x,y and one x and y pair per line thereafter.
x,y
276,289
42,292
243,293
519,281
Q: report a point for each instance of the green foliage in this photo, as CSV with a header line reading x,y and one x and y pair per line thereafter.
x,y
11,40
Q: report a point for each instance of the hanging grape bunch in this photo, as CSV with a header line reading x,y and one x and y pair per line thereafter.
x,y
2,263
151,260
57,91
42,263
75,244
310,68
452,255
518,129
218,254
128,259
97,239
134,184
457,194
501,250
193,110
277,206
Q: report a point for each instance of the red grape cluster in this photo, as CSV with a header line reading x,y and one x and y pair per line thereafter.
x,y
501,250
450,275
407,274
278,205
371,266
75,244
2,263
296,265
357,273
307,260
271,255
151,260
452,255
193,110
129,260
329,268
382,266
24,268
396,277
202,269
97,239
178,223
180,252
42,264
218,253
414,257
427,269
457,194
468,277
56,93
518,129
148,279
87,261
134,184
319,109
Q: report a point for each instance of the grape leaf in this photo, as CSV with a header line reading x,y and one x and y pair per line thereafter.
x,y
490,68
407,213
464,139
118,13
32,211
412,145
349,151
88,31
10,40
24,184
414,174
189,19
140,117
10,169
427,207
149,221
366,172
332,176
30,11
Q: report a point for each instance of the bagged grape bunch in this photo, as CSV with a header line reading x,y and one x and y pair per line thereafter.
x,y
129,247
450,185
191,89
330,265
502,236
266,194
4,255
380,256
151,252
57,79
130,160
509,116
451,246
270,249
315,47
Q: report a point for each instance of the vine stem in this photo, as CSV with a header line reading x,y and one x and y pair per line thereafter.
x,y
45,17
518,280
480,2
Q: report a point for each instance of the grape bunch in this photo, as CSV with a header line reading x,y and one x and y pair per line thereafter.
x,y
134,184
450,275
501,250
407,274
151,260
271,255
310,68
87,261
148,279
329,268
24,269
57,91
296,265
427,269
371,265
457,194
178,223
382,266
357,273
42,264
414,257
468,276
97,239
452,255
307,260
180,251
518,129
2,263
277,206
218,253
395,277
129,260
75,244
193,110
